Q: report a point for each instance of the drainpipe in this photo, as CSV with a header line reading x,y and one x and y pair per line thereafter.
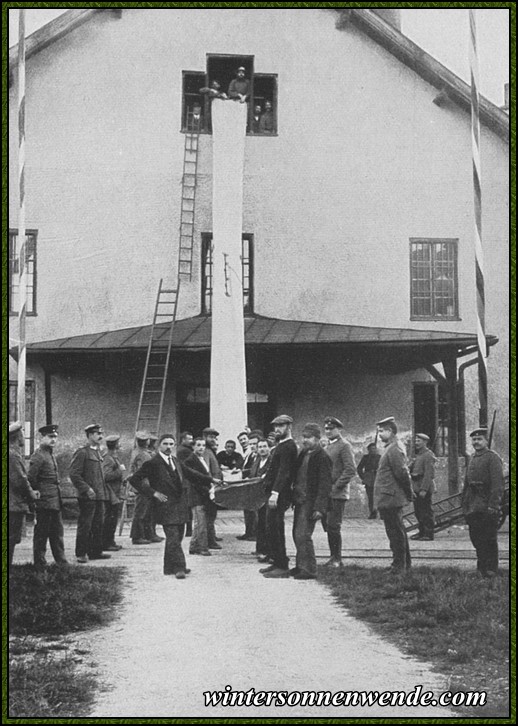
x,y
462,405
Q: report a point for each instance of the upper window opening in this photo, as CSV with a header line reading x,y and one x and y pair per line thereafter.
x,y
30,272
433,279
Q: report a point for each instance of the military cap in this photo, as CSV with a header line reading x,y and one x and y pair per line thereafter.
x,y
424,437
112,438
142,435
311,429
15,426
93,429
48,429
282,419
153,437
482,431
385,421
209,430
241,68
333,421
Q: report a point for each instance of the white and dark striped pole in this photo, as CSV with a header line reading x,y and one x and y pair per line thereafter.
x,y
479,253
21,242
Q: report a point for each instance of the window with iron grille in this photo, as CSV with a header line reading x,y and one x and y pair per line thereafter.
x,y
433,279
28,424
14,271
247,271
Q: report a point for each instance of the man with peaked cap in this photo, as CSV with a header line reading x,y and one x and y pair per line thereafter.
x,y
278,482
367,469
481,501
239,88
341,454
44,477
140,532
114,475
392,490
86,474
21,494
211,448
422,472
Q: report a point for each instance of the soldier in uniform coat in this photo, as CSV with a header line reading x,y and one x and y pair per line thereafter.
x,y
367,469
481,501
114,474
21,494
162,480
422,472
86,474
43,476
140,532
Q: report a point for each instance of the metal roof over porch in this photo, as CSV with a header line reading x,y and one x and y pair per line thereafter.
x,y
195,334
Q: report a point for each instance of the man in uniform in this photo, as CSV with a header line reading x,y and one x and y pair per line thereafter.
x,y
21,494
278,482
239,88
422,472
43,476
140,532
114,474
341,454
211,447
392,490
367,469
86,474
481,500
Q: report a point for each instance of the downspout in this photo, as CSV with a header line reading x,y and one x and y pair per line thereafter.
x,y
462,405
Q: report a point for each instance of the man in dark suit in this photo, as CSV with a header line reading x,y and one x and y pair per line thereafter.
x,y
201,493
162,480
259,469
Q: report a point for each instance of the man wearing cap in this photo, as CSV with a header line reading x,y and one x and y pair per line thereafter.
x,y
21,494
392,490
162,480
43,476
481,501
311,492
267,121
278,482
211,448
239,88
86,474
422,472
367,469
140,532
341,454
114,474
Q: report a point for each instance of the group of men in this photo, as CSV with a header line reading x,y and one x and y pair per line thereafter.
x,y
173,490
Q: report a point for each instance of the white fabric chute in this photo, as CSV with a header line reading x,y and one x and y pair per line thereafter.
x,y
228,412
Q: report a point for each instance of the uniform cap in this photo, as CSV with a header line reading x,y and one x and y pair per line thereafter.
x,y
209,430
385,421
241,68
142,435
333,421
48,429
93,428
479,432
112,438
153,437
15,426
282,419
312,429
424,437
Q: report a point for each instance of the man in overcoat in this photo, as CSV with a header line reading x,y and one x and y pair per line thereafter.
x,y
43,476
392,490
162,480
21,494
422,472
114,475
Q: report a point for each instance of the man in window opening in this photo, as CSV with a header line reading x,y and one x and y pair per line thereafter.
x,y
256,118
213,90
422,471
239,88
267,122
195,120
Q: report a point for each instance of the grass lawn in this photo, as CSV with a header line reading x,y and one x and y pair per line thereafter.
x,y
45,678
454,619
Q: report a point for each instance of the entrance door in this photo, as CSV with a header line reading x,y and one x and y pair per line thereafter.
x,y
426,418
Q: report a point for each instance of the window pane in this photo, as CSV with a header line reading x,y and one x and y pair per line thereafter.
x,y
433,278
14,272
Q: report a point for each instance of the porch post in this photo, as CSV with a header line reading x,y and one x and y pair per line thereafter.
x,y
450,371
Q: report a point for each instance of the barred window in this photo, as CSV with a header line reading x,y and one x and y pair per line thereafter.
x,y
30,400
14,271
247,268
433,279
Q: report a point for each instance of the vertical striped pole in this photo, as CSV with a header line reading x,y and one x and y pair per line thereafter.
x,y
21,243
479,254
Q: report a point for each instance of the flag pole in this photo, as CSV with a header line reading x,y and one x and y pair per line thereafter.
x,y
479,254
21,242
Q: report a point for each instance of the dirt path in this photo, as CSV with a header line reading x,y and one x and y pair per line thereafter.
x,y
227,625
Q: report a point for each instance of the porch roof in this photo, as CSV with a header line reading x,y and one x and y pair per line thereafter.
x,y
195,334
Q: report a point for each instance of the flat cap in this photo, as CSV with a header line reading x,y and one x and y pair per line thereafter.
x,y
209,430
48,429
480,432
142,435
282,419
153,437
93,428
112,438
312,429
15,426
424,437
241,68
333,421
388,420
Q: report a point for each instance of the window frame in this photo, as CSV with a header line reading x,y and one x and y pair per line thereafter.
x,y
453,243
13,258
275,77
206,290
30,411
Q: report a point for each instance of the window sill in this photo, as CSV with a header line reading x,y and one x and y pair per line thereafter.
x,y
432,319
209,133
28,315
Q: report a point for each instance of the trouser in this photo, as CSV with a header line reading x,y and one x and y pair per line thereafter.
x,y
89,537
211,511
424,514
141,524
370,498
48,526
250,522
174,558
111,518
276,537
303,527
333,524
483,528
16,520
261,545
199,539
395,529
